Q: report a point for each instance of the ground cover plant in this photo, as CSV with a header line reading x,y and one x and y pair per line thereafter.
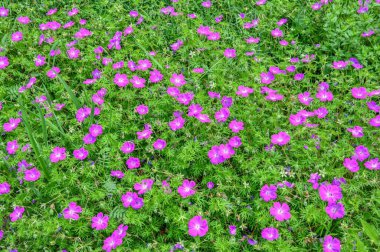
x,y
187,125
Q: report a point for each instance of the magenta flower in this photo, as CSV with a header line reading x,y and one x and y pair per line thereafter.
x,y
207,4
100,221
321,112
297,119
137,81
214,156
236,126
121,80
128,198
89,139
40,60
17,213
198,226
361,153
142,109
16,36
12,124
267,78
324,96
270,233
72,211
133,163
331,244
235,141
375,122
177,123
121,231
112,242
222,115
330,193
305,98
159,144
80,154
155,76
1,231
186,189
3,12
96,130
277,33
73,12
339,64
281,138
372,164
299,76
252,40
4,62
12,147
359,92
230,53
53,72
226,151
73,53
23,20
280,211
314,177
268,193
178,79
117,174
127,147
335,210
144,186
5,188
32,174
244,91
356,131
232,229
351,164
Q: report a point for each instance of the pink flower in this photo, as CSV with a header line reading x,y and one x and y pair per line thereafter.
x,y
137,81
73,12
117,174
96,130
53,72
280,211
359,92
100,221
214,156
12,147
17,213
236,126
270,233
159,144
112,242
244,91
299,76
178,79
230,53
235,141
207,4
128,198
324,96
17,36
268,193
177,123
144,186
330,193
335,210
3,12
331,244
4,62
222,115
351,164
133,163
80,154
277,33
186,189
232,230
297,119
321,112
40,60
252,40
23,20
198,226
58,154
375,122
226,151
339,64
121,80
127,147
372,164
11,125
281,138
267,78
361,153
72,211
356,131
5,188
73,53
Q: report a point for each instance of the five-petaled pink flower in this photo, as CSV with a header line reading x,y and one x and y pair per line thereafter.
x,y
198,226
